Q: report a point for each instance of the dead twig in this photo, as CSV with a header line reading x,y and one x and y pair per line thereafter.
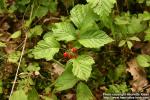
x,y
22,53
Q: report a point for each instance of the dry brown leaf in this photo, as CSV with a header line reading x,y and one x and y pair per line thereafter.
x,y
69,96
139,76
57,69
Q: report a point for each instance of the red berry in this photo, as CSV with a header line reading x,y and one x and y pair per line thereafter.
x,y
65,54
74,49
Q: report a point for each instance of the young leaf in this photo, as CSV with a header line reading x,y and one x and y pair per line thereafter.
x,y
81,15
19,95
121,43
46,48
83,92
67,80
64,31
147,36
16,34
129,43
82,66
37,30
2,44
136,26
134,38
14,57
33,67
94,39
143,60
102,7
115,88
1,86
40,11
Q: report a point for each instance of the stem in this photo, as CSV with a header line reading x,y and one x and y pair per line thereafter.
x,y
22,53
58,62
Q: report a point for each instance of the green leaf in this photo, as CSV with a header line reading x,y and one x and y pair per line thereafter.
x,y
83,92
64,31
40,11
118,88
16,34
46,48
52,6
136,26
144,16
67,80
2,44
102,7
23,2
94,39
147,36
122,43
33,67
3,4
121,20
1,86
81,15
134,38
33,94
14,57
82,66
37,30
148,2
19,95
140,1
143,60
129,44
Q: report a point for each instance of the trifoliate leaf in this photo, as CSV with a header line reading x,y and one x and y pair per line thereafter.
x,y
102,7
67,80
83,92
81,15
94,39
64,31
16,34
82,66
19,95
143,60
46,48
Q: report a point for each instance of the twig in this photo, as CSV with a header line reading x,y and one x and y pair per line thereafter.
x,y
58,63
20,59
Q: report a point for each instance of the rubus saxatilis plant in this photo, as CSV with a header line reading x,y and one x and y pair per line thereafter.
x,y
81,31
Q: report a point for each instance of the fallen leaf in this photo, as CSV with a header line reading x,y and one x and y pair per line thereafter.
x,y
139,76
57,69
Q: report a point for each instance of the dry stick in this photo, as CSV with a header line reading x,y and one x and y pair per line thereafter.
x,y
18,66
